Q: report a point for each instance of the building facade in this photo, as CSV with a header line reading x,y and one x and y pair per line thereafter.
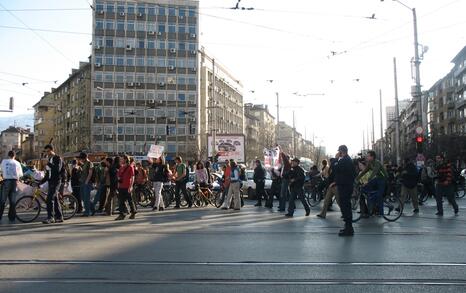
x,y
44,122
145,76
265,122
220,101
11,139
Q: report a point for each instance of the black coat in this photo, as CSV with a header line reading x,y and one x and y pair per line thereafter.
x,y
343,172
259,174
297,176
409,176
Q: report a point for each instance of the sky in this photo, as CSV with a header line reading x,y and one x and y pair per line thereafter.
x,y
288,42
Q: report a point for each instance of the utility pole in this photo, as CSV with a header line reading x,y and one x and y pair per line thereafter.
x,y
397,117
417,94
381,129
213,110
373,129
363,141
294,135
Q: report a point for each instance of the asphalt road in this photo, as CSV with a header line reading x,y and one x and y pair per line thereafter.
x,y
254,250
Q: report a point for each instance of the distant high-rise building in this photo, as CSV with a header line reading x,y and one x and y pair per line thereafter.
x,y
391,111
145,76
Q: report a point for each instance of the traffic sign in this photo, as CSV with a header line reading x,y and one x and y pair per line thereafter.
x,y
419,130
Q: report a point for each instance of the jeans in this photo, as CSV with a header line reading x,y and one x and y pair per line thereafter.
x,y
345,192
284,194
181,187
8,191
297,193
86,197
77,195
123,197
53,203
449,192
110,202
260,191
100,197
158,186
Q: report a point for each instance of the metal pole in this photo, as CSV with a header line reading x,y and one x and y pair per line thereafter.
x,y
363,141
397,117
278,116
417,62
294,135
381,130
373,129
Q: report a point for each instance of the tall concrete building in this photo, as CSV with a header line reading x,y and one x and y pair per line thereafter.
x,y
391,111
266,125
145,76
220,101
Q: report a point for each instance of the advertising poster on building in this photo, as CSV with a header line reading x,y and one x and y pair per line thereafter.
x,y
228,147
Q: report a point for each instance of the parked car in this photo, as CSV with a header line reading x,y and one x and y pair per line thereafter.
x,y
249,187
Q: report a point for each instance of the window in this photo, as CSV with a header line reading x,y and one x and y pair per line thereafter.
x,y
129,96
182,29
150,61
171,147
110,8
108,112
181,97
171,45
181,12
172,28
99,24
181,63
121,8
181,46
171,62
161,97
181,80
99,7
140,96
108,76
161,130
120,42
171,11
162,10
119,95
161,78
192,11
120,25
130,8
140,77
98,76
129,61
150,44
108,95
150,78
141,44
119,77
140,26
161,45
191,63
141,8
150,27
98,59
129,130
161,28
109,42
191,80
161,62
192,47
99,41
151,10
171,97
109,25
120,61
181,130
140,130
150,130
192,29
98,112
130,26
109,60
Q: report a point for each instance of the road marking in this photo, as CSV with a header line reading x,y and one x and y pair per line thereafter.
x,y
235,283
169,263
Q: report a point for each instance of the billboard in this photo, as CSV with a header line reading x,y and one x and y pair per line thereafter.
x,y
228,146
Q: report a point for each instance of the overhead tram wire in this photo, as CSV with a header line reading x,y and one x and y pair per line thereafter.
x,y
37,34
28,77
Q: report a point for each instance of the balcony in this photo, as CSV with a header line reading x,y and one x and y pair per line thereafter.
x,y
460,103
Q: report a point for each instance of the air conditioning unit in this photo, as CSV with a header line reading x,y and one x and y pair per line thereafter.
x,y
193,52
151,33
98,117
171,119
130,83
194,69
139,14
161,84
193,35
181,17
160,102
138,84
172,50
97,100
122,14
129,48
171,67
152,136
159,33
98,65
98,47
151,101
109,136
101,12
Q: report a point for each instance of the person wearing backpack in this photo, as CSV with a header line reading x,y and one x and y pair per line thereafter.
x,y
158,174
55,175
181,178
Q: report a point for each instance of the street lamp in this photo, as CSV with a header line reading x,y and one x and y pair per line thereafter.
x,y
416,92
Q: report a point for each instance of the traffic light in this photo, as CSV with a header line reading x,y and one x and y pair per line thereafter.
x,y
419,143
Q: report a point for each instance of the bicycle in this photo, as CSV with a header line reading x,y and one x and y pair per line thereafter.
x,y
144,194
202,196
28,207
315,193
392,206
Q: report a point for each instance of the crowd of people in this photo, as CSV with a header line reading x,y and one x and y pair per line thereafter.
x,y
114,180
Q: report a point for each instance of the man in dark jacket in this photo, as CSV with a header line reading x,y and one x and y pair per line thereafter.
x,y
343,176
409,180
297,177
259,180
444,185
55,175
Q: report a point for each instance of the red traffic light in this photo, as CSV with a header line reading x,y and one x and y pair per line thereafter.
x,y
419,139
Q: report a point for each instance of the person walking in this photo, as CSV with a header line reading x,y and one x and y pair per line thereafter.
x,y
103,184
55,175
331,192
427,180
285,191
274,189
125,187
343,176
76,185
259,180
226,179
181,178
87,168
159,174
409,180
234,189
12,172
297,177
444,185
114,165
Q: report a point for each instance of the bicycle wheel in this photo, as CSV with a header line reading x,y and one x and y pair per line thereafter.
x,y
460,191
392,208
167,197
145,197
27,209
356,207
197,199
217,199
69,206
312,199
